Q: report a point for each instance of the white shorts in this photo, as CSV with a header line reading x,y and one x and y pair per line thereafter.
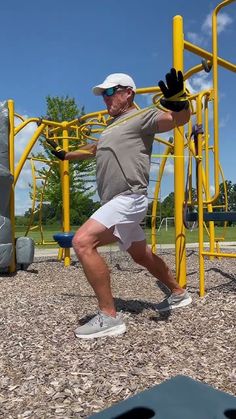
x,y
124,212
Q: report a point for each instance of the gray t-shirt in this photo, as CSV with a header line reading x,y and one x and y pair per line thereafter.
x,y
124,152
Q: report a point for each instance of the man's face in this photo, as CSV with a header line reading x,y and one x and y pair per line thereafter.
x,y
118,101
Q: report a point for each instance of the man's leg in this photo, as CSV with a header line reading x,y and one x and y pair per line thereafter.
x,y
143,255
85,242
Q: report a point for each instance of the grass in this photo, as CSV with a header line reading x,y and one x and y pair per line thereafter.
x,y
168,237
163,236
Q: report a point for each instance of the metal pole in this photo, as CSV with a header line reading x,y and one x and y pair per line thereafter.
x,y
180,238
12,267
66,195
200,201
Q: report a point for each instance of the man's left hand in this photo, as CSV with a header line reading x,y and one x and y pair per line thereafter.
x,y
173,91
56,149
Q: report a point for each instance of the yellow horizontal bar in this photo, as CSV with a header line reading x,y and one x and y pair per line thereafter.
x,y
34,227
39,160
42,121
208,55
170,156
151,89
66,138
93,114
223,255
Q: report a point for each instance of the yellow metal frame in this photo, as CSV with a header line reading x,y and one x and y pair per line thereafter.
x,y
12,267
38,192
89,126
179,45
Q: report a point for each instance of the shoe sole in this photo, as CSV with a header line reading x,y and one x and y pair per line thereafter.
x,y
113,331
183,303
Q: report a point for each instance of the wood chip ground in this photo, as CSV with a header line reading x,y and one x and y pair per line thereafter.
x,y
47,373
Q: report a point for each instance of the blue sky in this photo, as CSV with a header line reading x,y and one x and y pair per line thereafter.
x,y
57,47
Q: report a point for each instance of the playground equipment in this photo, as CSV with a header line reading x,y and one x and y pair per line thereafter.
x,y
203,98
21,250
168,401
6,179
193,145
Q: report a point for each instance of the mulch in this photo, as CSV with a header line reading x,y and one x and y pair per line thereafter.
x,y
47,373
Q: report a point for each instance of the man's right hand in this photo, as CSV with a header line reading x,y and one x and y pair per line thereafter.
x,y
56,149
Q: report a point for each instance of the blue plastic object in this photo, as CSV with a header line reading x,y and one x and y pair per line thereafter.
x,y
178,398
64,239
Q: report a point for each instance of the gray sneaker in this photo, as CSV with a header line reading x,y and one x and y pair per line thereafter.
x,y
101,325
174,301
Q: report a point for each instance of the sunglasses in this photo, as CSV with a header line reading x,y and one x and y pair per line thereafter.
x,y
112,90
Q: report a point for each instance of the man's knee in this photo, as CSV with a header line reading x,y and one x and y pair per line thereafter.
x,y
82,242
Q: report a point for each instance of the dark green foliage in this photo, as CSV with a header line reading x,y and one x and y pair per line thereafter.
x,y
62,109
166,207
228,191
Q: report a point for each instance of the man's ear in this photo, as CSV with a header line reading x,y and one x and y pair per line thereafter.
x,y
131,94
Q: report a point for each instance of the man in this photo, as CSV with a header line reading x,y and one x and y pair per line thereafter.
x,y
123,161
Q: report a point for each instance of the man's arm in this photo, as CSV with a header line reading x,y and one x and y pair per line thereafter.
x,y
169,120
84,153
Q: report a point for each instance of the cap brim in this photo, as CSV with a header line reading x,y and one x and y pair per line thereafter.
x,y
97,90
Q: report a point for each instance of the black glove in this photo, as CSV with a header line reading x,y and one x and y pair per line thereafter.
x,y
57,150
173,91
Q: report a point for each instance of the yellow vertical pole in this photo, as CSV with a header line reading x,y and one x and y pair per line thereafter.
x,y
12,267
60,254
66,195
180,238
207,179
200,199
155,197
215,93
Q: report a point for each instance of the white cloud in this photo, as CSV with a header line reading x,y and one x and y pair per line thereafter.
x,y
22,201
199,82
189,86
212,190
25,177
195,38
22,139
151,189
154,169
207,24
223,21
169,168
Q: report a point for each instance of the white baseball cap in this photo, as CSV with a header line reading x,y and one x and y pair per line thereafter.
x,y
116,79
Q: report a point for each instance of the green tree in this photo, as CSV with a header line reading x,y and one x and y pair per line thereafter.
x,y
81,173
168,206
227,194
